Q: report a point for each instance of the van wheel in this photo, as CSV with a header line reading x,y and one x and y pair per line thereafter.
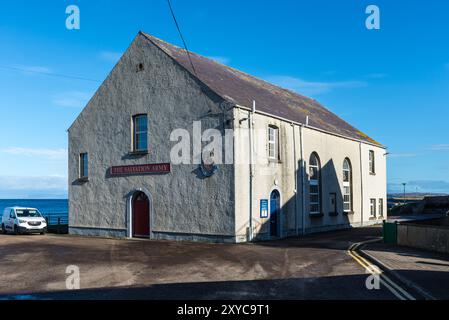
x,y
3,228
16,230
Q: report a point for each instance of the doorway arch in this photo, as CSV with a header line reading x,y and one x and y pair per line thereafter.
x,y
131,197
275,213
140,215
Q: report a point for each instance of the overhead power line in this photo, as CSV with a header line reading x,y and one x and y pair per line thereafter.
x,y
50,74
182,37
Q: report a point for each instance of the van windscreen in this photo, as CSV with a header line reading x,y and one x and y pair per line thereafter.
x,y
28,213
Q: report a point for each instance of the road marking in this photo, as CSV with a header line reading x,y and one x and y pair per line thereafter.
x,y
394,288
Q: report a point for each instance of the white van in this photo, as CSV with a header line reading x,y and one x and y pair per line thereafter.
x,y
23,220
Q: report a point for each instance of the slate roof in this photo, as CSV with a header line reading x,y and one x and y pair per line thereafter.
x,y
240,88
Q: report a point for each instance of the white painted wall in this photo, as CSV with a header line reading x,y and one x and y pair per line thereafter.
x,y
285,176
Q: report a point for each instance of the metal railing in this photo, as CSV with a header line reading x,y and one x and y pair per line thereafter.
x,y
56,222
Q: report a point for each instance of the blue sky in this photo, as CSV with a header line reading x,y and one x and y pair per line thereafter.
x,y
392,83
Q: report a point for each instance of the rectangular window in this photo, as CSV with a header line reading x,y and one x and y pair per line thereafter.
x,y
314,196
140,133
273,143
373,208
347,203
381,207
84,166
372,162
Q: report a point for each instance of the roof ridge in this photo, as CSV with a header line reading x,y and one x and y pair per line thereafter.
x,y
227,67
275,102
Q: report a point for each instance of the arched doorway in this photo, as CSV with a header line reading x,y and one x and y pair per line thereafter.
x,y
141,215
275,212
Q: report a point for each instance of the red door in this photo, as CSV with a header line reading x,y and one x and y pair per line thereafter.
x,y
141,216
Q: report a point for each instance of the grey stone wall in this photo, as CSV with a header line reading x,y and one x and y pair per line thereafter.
x,y
433,238
183,201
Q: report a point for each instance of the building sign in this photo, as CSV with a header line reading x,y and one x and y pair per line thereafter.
x,y
159,168
263,208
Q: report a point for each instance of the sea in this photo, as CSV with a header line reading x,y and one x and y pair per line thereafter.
x,y
51,209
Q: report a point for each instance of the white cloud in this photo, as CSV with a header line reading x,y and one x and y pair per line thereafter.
x,y
30,152
311,87
37,185
402,155
222,60
33,69
440,147
72,99
110,56
33,182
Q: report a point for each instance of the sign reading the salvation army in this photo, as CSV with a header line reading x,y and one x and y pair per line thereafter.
x,y
158,168
263,208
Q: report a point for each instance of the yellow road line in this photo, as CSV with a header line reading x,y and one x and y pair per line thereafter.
x,y
384,279
387,279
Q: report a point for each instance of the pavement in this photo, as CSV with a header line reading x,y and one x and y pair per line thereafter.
x,y
313,267
427,273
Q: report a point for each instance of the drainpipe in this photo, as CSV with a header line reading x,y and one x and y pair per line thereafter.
x,y
303,179
361,183
251,171
296,181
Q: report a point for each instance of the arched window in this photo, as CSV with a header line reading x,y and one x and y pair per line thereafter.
x,y
315,184
347,186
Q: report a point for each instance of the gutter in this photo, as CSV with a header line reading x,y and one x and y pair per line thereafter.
x,y
296,180
251,170
303,196
312,127
361,183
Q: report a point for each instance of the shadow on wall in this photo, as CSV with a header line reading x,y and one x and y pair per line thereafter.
x,y
324,194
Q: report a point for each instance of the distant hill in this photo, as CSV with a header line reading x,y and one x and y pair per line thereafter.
x,y
414,195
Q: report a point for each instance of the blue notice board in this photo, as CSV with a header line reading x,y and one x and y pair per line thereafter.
x,y
264,208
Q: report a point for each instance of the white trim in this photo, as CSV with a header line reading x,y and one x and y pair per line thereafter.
x,y
129,211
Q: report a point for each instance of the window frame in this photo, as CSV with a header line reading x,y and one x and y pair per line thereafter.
x,y
373,208
334,205
273,142
316,182
347,185
372,162
83,166
135,133
381,207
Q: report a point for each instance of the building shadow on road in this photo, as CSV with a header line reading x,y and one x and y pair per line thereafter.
x,y
350,287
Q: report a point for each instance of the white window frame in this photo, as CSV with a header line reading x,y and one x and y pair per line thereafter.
x,y
136,133
372,162
347,185
315,182
373,208
273,143
381,207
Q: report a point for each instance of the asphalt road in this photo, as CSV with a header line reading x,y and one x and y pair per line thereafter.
x,y
314,267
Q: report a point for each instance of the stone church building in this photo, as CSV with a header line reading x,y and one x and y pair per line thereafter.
x,y
292,167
